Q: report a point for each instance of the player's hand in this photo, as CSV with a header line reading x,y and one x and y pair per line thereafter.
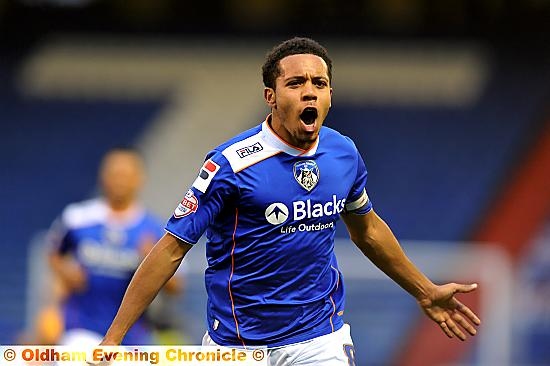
x,y
74,276
451,315
99,363
146,244
109,349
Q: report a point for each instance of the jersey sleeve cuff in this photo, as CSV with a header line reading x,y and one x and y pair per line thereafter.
x,y
191,242
360,205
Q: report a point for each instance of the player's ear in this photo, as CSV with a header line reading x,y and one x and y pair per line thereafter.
x,y
269,96
330,104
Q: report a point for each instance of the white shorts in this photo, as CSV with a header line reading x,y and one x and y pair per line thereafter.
x,y
334,349
81,338
86,339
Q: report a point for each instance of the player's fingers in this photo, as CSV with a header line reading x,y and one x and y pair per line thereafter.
x,y
464,323
467,312
455,329
98,363
446,329
464,288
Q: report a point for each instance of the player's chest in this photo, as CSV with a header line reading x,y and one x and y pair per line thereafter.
x,y
314,184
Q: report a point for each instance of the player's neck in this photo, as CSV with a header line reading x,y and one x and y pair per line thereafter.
x,y
278,129
121,207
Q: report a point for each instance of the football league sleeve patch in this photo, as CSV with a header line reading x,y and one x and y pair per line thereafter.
x,y
209,193
187,206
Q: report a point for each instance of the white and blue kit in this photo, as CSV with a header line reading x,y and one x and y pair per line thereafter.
x,y
269,211
109,252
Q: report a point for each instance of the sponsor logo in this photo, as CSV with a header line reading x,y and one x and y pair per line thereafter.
x,y
307,209
207,172
306,227
189,205
107,259
243,152
306,173
277,213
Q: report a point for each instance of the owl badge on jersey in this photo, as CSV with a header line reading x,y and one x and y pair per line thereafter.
x,y
306,173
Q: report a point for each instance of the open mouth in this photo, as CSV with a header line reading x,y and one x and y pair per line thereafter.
x,y
309,115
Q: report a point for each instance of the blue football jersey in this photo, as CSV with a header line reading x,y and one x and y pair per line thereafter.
x,y
269,211
109,252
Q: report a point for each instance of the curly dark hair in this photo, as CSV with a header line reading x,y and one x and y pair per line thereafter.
x,y
293,46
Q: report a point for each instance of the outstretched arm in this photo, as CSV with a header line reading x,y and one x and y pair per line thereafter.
x,y
157,268
375,239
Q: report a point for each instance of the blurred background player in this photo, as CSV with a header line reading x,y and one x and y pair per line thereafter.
x,y
96,247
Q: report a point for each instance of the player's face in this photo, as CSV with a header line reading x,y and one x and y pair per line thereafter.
x,y
121,178
301,99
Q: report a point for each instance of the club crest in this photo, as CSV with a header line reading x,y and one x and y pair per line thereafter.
x,y
306,173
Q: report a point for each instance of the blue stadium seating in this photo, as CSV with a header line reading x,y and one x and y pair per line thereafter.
x,y
433,171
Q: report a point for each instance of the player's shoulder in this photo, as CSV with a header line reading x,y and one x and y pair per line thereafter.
x,y
243,150
85,213
238,138
333,138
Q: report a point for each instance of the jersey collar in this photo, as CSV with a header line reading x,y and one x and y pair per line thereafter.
x,y
270,137
129,217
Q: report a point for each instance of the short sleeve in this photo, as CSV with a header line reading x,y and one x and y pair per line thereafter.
x,y
213,188
358,201
59,238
